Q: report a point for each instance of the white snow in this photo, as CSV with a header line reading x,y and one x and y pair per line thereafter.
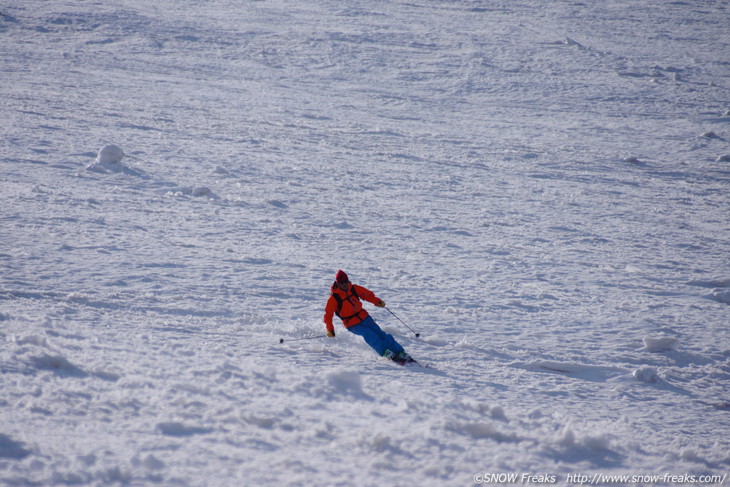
x,y
660,344
109,159
540,189
646,374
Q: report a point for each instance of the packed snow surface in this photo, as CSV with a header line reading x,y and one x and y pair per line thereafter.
x,y
540,189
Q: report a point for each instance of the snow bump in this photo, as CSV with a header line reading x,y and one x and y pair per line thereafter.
x,y
646,374
108,160
660,344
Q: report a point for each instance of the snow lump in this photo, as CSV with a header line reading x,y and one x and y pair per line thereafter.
x,y
109,159
661,344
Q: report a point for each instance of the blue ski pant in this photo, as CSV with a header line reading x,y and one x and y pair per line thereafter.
x,y
375,337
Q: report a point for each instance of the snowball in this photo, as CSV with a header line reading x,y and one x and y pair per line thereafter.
x,y
662,344
109,155
109,160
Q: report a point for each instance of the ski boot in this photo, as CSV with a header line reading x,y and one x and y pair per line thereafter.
x,y
405,358
394,357
401,358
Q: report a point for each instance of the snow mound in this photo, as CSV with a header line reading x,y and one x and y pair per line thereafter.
x,y
32,339
567,41
199,191
661,344
646,374
691,455
194,191
721,295
597,441
109,160
575,445
110,155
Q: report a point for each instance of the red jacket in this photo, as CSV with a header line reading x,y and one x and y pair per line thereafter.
x,y
351,312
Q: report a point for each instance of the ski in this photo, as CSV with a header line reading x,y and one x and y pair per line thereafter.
x,y
415,363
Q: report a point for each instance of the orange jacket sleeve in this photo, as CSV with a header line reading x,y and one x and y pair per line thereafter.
x,y
366,294
329,312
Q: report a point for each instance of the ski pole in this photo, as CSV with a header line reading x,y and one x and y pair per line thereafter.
x,y
396,317
281,340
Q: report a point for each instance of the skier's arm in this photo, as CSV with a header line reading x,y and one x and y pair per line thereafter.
x,y
367,295
329,312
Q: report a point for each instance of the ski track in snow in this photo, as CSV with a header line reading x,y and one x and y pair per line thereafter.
x,y
540,190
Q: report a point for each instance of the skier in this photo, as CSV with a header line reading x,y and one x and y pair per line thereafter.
x,y
344,301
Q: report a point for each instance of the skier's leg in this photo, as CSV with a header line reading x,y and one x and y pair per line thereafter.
x,y
399,355
371,334
386,339
392,344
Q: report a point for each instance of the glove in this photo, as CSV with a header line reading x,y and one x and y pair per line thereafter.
x,y
380,303
331,334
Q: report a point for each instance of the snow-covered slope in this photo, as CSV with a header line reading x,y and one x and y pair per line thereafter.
x,y
539,188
